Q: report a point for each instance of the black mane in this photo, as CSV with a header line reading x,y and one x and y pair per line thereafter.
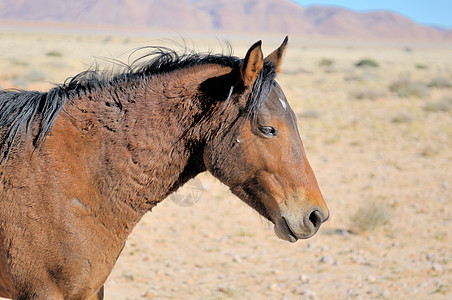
x,y
159,60
19,108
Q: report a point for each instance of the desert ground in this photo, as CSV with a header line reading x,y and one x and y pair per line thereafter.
x,y
378,136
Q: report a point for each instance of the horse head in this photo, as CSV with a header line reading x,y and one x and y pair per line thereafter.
x,y
261,157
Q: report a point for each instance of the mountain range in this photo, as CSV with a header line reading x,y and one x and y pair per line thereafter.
x,y
226,16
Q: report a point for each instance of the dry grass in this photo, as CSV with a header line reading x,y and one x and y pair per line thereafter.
x,y
421,67
369,217
440,82
54,54
368,94
309,114
367,62
444,105
326,62
406,88
402,117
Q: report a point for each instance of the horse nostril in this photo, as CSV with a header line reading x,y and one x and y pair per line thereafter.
x,y
316,218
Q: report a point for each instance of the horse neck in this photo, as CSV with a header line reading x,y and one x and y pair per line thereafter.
x,y
152,132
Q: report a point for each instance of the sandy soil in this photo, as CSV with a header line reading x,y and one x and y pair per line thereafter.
x,y
383,162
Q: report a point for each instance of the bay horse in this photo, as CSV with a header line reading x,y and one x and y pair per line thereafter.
x,y
83,162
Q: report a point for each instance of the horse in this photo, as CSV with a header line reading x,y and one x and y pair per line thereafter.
x,y
83,162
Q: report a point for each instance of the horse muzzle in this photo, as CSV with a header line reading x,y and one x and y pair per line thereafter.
x,y
291,227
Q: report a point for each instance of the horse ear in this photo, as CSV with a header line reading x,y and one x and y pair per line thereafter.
x,y
275,58
252,64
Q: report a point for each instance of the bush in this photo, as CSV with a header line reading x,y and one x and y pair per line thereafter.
x,y
406,88
326,62
440,82
33,75
441,105
107,39
54,54
370,94
310,114
36,75
367,62
365,75
18,62
421,67
369,217
402,117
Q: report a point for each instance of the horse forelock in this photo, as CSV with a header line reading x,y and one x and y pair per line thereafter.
x,y
260,90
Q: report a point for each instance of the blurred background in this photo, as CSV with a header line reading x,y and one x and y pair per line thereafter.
x,y
371,85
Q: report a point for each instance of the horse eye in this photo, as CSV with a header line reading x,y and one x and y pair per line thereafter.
x,y
268,131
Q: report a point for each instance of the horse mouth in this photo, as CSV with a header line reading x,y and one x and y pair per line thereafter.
x,y
289,230
283,231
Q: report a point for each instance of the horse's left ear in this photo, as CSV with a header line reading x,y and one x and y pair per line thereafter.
x,y
252,64
275,58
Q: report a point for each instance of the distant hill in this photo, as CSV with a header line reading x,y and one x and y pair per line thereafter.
x,y
231,16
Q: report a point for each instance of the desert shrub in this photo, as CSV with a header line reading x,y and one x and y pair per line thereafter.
x,y
367,93
406,88
107,39
310,114
296,71
33,75
36,75
440,82
402,117
440,105
365,75
18,62
367,62
421,67
368,217
326,62
54,54
21,82
429,151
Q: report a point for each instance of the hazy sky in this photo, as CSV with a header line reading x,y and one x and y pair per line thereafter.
x,y
431,12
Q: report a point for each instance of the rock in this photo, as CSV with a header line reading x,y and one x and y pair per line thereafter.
x,y
430,257
327,259
359,260
299,290
310,246
304,278
236,258
353,294
150,294
307,293
437,268
385,294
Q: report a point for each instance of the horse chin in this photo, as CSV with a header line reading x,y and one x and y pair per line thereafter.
x,y
284,232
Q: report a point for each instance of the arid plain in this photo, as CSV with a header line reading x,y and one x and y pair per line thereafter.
x,y
376,122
